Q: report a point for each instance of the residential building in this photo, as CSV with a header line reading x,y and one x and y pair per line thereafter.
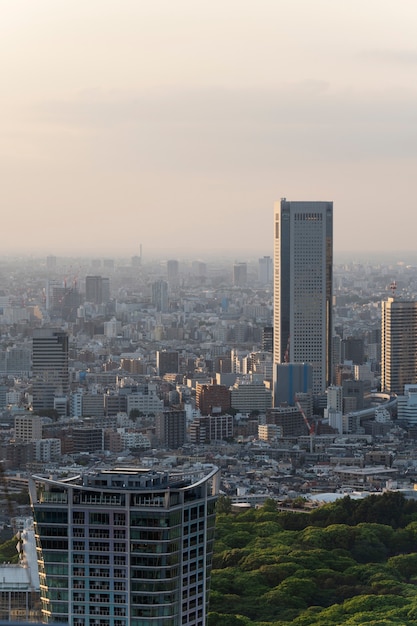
x,y
160,295
212,398
27,427
303,267
398,344
170,428
125,547
211,428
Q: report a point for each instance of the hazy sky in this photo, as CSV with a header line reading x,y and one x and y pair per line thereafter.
x,y
179,123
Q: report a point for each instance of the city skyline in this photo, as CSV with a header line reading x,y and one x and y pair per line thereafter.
x,y
165,122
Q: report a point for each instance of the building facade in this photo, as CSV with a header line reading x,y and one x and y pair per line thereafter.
x,y
170,428
97,289
49,367
266,267
125,547
212,398
303,268
398,345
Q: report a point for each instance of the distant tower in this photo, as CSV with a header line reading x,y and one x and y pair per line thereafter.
x,y
303,260
173,273
49,367
265,270
160,295
398,344
240,274
97,289
137,260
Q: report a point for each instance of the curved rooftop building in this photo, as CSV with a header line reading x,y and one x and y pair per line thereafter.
x,y
125,547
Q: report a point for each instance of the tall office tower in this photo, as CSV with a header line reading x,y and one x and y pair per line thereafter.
x,y
97,289
173,273
240,274
49,367
303,267
160,295
265,270
398,345
125,547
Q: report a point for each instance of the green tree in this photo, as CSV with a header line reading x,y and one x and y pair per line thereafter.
x,y
224,504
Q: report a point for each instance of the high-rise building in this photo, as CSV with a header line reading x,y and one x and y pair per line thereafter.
x,y
173,273
303,267
265,270
170,426
290,380
240,274
125,547
398,345
97,289
160,295
49,367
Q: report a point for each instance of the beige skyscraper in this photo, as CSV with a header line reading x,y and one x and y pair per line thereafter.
x,y
303,268
398,344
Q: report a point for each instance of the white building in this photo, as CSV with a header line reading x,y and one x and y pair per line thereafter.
x,y
145,403
407,405
46,450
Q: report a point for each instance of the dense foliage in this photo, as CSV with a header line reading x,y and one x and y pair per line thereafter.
x,y
350,563
8,552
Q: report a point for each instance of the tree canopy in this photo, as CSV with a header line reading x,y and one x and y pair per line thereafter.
x,y
353,562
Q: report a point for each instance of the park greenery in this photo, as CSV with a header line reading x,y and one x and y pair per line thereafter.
x,y
353,563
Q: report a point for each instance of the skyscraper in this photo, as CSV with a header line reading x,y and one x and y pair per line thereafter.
x,y
173,274
49,367
398,344
97,289
125,547
240,274
303,267
160,295
265,270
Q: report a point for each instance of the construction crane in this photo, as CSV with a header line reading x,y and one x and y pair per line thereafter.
x,y
310,427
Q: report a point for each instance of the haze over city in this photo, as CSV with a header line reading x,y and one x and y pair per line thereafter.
x,y
178,125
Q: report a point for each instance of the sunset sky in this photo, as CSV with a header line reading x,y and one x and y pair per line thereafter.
x,y
177,124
